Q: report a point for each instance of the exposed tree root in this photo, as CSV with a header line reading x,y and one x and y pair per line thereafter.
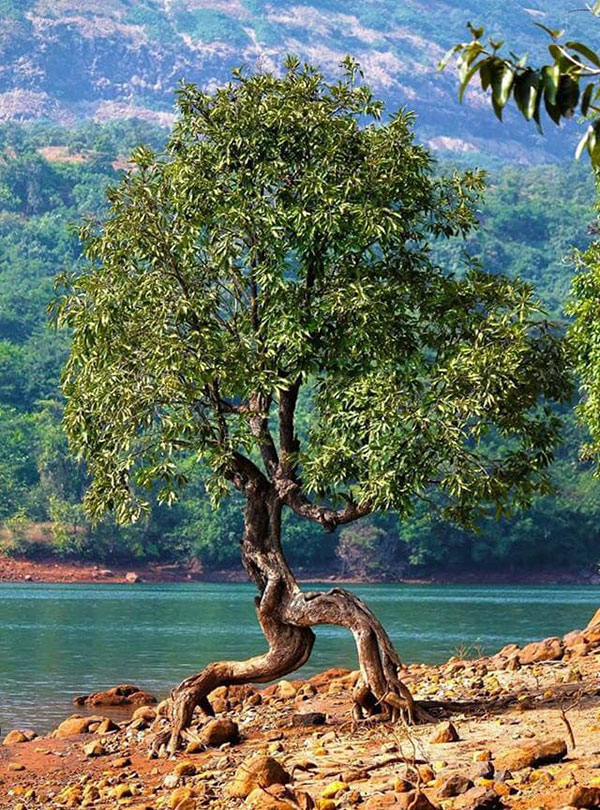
x,y
286,616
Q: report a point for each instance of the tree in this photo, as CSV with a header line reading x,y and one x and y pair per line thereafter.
x,y
570,82
281,244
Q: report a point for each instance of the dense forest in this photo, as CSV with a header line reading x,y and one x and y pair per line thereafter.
x,y
51,177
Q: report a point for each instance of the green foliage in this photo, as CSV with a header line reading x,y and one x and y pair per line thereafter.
x,y
569,83
35,465
283,239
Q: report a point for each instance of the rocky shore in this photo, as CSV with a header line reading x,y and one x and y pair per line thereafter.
x,y
520,729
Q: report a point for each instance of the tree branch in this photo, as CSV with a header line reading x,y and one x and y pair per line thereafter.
x,y
290,492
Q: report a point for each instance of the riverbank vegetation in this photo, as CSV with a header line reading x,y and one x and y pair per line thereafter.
x,y
531,218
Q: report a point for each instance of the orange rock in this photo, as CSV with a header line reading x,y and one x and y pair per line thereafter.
x,y
15,736
444,733
532,755
260,771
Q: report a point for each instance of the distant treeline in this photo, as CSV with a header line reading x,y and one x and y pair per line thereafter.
x,y
50,178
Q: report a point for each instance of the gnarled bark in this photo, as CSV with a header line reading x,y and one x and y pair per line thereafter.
x,y
286,616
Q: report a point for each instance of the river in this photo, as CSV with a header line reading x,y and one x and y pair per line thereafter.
x,y
58,641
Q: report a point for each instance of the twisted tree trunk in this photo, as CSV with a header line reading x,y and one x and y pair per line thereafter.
x,y
286,616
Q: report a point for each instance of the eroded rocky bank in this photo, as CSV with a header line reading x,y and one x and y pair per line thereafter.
x,y
520,729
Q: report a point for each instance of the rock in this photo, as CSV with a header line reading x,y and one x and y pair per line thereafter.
x,y
185,769
454,786
333,789
259,799
180,795
414,800
123,695
532,755
147,714
15,736
381,802
123,791
479,798
72,726
94,749
582,796
105,726
132,577
550,649
309,719
120,762
258,771
220,731
594,620
444,733
286,690
485,770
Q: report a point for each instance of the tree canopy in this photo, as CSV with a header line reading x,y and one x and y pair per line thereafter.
x,y
282,241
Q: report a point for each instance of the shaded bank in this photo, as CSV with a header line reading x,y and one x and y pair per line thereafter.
x,y
52,570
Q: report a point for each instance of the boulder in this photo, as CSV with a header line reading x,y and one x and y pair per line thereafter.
x,y
180,795
454,786
414,800
532,755
550,649
286,690
147,714
275,799
444,733
258,771
308,719
479,798
132,577
76,724
94,749
381,802
220,731
585,796
126,694
14,736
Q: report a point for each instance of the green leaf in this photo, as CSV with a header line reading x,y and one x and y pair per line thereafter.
x,y
551,79
567,97
502,81
585,51
526,92
443,63
553,32
476,32
467,78
586,98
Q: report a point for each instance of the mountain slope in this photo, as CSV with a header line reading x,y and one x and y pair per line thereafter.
x,y
106,59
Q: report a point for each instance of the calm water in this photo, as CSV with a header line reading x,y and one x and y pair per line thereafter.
x,y
57,641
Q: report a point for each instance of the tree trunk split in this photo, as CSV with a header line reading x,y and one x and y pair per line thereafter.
x,y
286,616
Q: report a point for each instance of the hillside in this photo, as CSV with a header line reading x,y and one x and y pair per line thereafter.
x,y
64,60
